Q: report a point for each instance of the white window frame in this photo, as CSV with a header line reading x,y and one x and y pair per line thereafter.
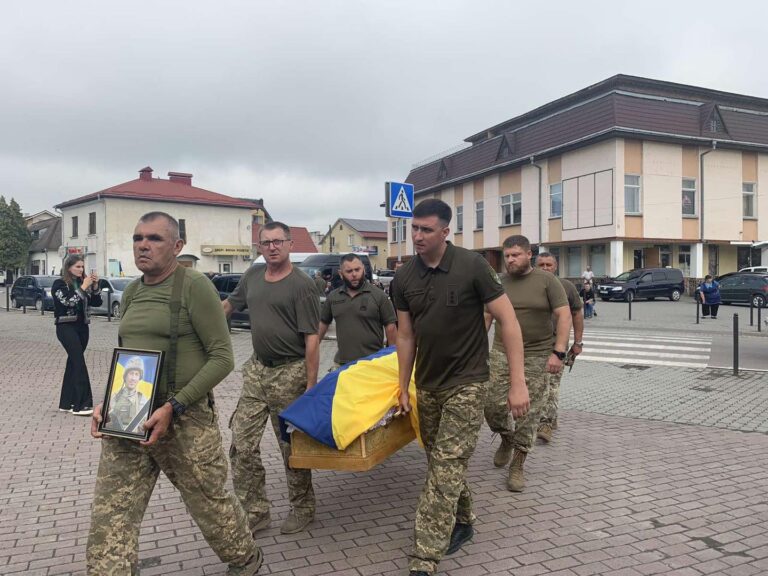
x,y
459,218
555,191
688,186
508,203
479,214
403,228
394,230
748,192
634,189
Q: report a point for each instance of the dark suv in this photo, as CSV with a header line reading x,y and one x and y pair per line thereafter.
x,y
33,291
744,287
225,284
648,283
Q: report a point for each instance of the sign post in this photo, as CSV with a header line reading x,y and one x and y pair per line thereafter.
x,y
399,205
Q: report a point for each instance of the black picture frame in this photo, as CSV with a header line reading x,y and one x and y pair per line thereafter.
x,y
128,401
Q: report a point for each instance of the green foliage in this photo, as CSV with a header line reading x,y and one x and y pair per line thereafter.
x,y
15,239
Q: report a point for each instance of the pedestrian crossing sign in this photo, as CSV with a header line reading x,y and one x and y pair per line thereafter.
x,y
399,200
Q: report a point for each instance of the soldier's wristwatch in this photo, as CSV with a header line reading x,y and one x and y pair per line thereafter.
x,y
579,344
178,407
560,355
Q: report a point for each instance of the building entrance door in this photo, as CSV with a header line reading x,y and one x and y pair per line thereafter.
x,y
652,257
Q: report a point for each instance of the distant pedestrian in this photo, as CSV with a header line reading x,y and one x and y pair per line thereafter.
x,y
588,275
73,294
709,292
321,283
587,294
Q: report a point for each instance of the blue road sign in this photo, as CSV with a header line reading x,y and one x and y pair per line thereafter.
x,y
399,200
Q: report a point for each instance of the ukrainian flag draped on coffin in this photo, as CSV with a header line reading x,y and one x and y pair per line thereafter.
x,y
349,401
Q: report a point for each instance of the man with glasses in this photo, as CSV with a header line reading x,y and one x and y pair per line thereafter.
x,y
285,313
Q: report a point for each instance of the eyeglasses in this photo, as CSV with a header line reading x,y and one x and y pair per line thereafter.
x,y
276,243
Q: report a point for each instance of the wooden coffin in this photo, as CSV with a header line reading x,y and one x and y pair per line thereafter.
x,y
363,454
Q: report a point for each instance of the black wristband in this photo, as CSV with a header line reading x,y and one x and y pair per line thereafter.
x,y
560,355
178,407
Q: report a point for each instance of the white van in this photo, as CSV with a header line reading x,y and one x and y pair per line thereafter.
x,y
296,257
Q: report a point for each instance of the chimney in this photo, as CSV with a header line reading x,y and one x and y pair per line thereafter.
x,y
181,177
145,174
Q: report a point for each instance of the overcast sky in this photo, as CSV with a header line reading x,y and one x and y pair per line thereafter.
x,y
312,105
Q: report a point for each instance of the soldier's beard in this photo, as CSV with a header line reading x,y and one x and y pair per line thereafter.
x,y
353,286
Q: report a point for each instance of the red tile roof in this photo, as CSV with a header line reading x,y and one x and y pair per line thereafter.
x,y
302,241
159,190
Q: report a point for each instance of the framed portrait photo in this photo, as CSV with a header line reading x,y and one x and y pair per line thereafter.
x,y
130,394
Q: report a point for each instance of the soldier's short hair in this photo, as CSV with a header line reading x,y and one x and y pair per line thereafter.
x,y
433,207
173,224
274,225
350,258
517,240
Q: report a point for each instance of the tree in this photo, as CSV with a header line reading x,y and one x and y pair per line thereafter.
x,y
15,239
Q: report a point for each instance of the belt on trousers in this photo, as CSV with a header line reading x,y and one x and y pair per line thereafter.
x,y
276,363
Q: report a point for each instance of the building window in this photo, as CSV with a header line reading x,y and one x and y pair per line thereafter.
x,y
350,240
748,194
684,259
394,230
665,255
631,194
574,261
74,226
689,197
597,259
459,218
511,209
479,209
91,223
556,200
183,229
748,256
403,228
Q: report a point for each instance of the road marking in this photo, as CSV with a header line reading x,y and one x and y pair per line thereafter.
x,y
649,350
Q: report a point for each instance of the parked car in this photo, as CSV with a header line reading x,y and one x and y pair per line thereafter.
x,y
34,291
225,284
743,288
763,269
386,277
329,263
111,295
648,283
2,277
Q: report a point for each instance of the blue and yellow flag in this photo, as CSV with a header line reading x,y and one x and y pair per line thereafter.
x,y
350,400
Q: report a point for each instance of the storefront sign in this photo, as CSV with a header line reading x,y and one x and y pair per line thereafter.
x,y
223,250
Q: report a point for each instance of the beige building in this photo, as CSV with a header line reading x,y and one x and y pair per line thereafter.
x,y
353,235
216,228
627,173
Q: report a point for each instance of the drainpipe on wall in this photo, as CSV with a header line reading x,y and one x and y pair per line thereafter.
x,y
701,199
540,240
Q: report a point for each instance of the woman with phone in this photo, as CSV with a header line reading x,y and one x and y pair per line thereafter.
x,y
73,294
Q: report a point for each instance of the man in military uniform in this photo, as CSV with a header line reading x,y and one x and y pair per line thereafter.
x,y
363,313
320,283
548,421
128,403
285,311
439,295
176,310
537,297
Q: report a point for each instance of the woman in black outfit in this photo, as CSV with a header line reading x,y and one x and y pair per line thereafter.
x,y
72,294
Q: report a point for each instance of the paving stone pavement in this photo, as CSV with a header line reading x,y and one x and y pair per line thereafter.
x,y
650,472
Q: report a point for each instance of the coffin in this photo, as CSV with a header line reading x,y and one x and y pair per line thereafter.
x,y
362,454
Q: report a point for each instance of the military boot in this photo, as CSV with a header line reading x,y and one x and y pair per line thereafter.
x,y
503,453
516,480
545,432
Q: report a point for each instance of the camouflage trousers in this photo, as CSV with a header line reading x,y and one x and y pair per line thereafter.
x,y
193,459
266,393
549,413
450,421
522,434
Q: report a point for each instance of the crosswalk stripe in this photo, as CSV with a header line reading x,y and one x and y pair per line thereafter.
x,y
642,361
651,350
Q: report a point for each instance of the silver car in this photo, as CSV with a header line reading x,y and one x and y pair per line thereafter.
x,y
111,295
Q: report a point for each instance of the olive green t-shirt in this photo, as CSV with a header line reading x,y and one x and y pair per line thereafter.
x,y
281,312
574,300
446,307
534,296
359,320
205,354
